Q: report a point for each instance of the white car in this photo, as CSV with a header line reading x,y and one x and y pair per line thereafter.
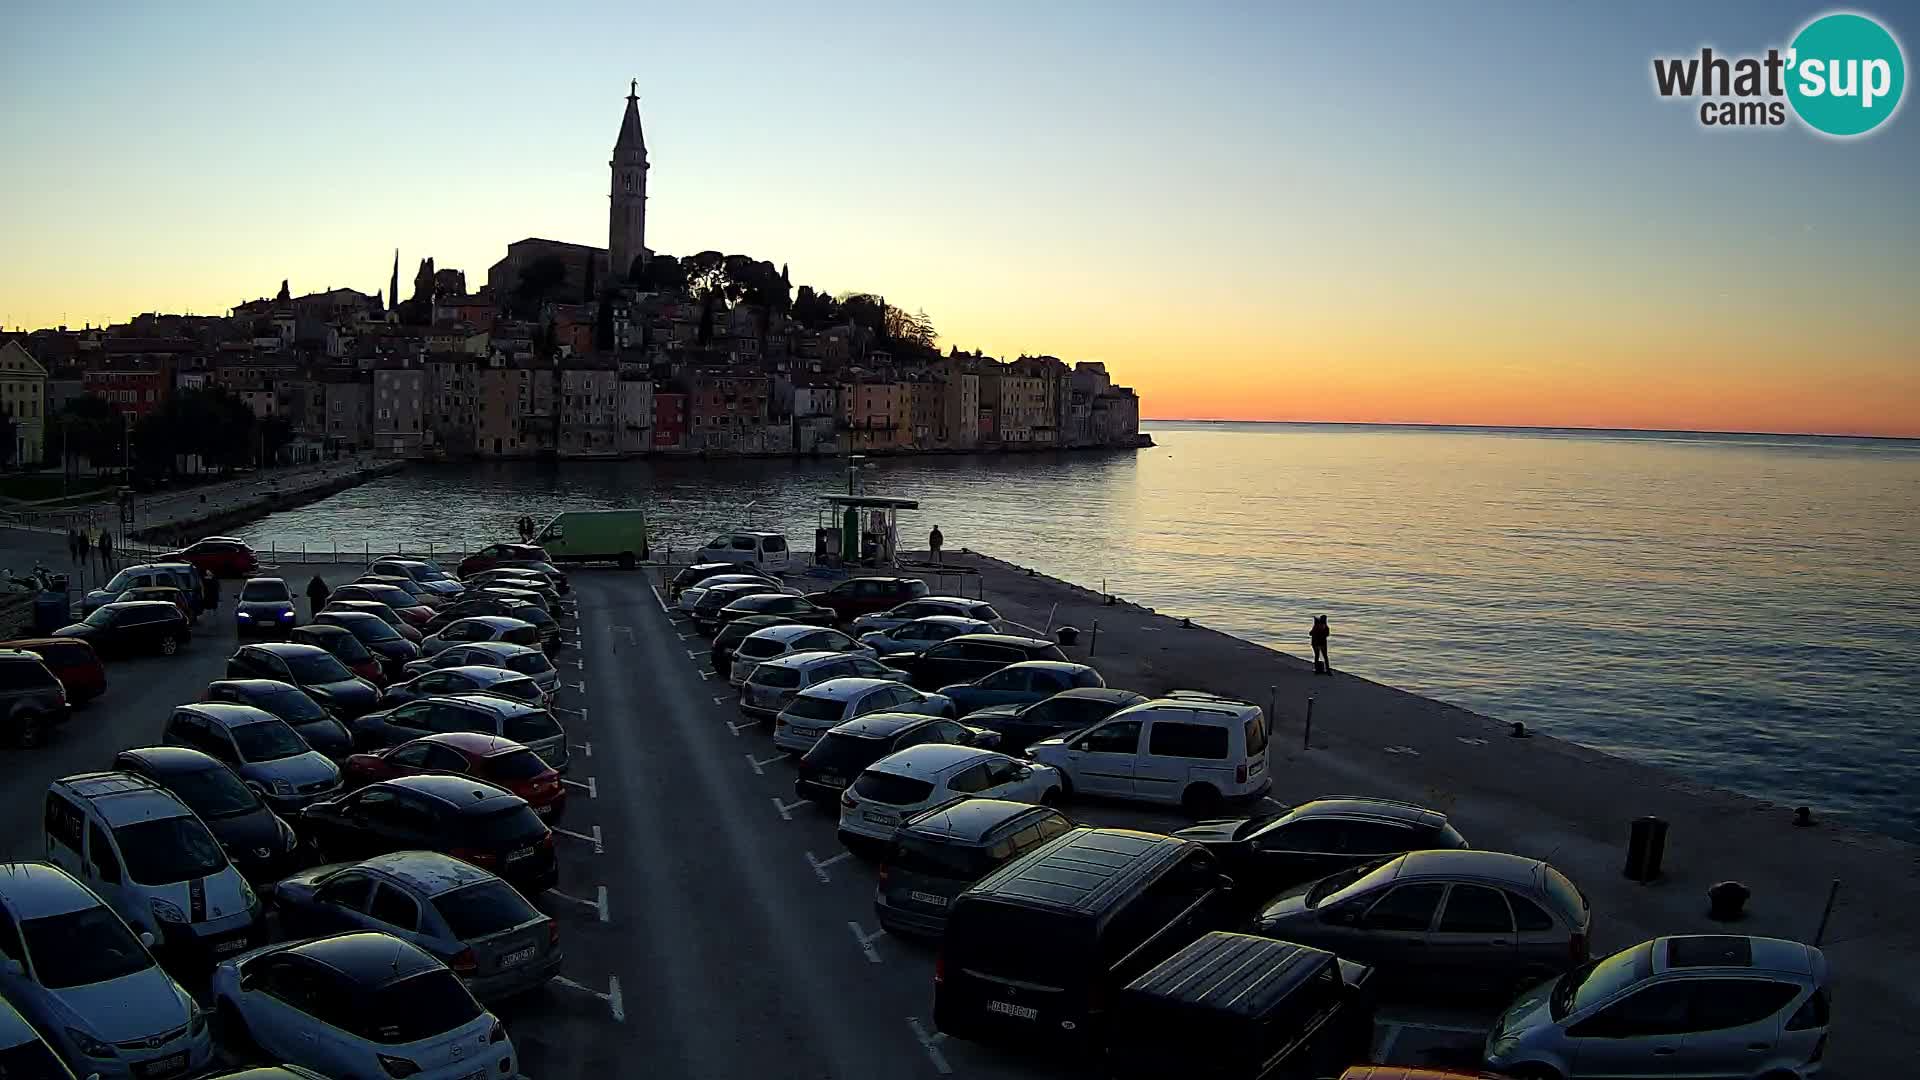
x,y
80,975
1190,749
773,642
691,595
774,683
908,781
361,1004
959,606
818,709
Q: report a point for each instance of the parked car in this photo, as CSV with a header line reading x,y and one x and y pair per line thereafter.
x,y
919,635
528,724
499,761
459,815
345,648
690,596
140,626
72,661
936,854
380,611
838,758
470,679
1033,950
1471,918
402,602
492,554
314,670
823,706
954,607
23,1053
461,915
1064,713
1310,841
263,749
520,659
428,576
792,608
221,556
1703,1005
151,857
362,1005
1192,750
536,615
470,605
380,637
1021,683
320,728
902,784
545,569
859,596
32,702
689,576
764,549
420,593
726,641
517,592
774,683
1263,1010
966,657
788,639
706,613
482,628
512,578
145,575
257,841
78,973
265,607
168,593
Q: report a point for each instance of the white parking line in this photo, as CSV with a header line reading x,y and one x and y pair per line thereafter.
x,y
658,599
591,787
576,687
581,713
786,810
599,905
598,847
741,726
760,766
866,941
719,700
616,1004
820,866
577,662
707,673
585,747
684,637
930,1043
692,654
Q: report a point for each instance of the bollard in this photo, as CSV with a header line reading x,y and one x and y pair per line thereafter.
x,y
1833,893
1646,848
1306,732
1273,705
1094,641
1727,901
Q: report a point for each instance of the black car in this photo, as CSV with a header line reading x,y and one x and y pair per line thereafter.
x,y
1020,726
468,606
380,638
842,753
554,575
344,646
1310,841
727,639
969,656
938,853
794,609
705,614
264,608
132,627
308,717
526,723
32,701
312,669
264,847
456,815
690,576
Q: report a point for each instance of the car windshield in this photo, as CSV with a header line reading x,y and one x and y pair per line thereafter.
x,y
389,595
167,850
939,858
531,727
845,753
1254,824
264,591
268,740
101,616
291,705
317,668
518,689
516,826
124,580
489,907
1335,888
373,629
213,793
1596,981
529,663
760,648
894,790
516,765
82,947
347,648
431,1003
812,708
780,678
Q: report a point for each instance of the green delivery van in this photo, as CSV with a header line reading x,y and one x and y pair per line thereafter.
x,y
616,536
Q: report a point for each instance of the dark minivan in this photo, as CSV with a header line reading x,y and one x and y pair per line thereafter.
x,y
32,701
1035,950
938,853
969,656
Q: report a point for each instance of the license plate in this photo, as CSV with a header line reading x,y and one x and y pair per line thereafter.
x,y
878,819
1018,1012
518,956
234,946
543,811
831,781
523,853
166,1066
928,898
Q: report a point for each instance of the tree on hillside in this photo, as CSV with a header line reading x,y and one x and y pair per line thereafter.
x,y
662,273
706,272
93,430
915,331
542,278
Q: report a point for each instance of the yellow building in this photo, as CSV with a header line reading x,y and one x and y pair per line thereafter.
x,y
23,394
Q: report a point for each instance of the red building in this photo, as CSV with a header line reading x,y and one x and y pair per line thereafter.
x,y
138,391
669,421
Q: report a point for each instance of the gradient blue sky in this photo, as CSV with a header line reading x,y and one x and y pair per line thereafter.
x,y
1396,212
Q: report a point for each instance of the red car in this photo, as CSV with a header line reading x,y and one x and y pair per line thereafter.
x,y
501,762
221,556
72,661
493,554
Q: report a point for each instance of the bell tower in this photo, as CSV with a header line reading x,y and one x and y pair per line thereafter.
x,y
627,212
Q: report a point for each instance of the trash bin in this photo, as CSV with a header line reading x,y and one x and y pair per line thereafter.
x,y
50,611
1646,848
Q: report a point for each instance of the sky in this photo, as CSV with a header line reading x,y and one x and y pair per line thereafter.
x,y
1380,212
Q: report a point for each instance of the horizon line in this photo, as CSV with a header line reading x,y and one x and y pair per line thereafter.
x,y
1527,427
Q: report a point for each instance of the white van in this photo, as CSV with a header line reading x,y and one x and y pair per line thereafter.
x,y
768,549
154,862
1191,749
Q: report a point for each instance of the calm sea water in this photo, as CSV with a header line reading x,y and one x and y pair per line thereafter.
x,y
1744,609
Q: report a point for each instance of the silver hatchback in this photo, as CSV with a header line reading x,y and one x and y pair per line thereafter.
x,y
775,683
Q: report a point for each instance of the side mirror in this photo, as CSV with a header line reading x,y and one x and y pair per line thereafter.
x,y
146,938
1025,771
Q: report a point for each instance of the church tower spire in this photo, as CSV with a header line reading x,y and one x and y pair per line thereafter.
x,y
627,214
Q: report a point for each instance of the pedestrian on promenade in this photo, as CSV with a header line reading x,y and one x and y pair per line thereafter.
x,y
317,593
210,585
1322,664
86,547
526,528
106,552
74,552
934,540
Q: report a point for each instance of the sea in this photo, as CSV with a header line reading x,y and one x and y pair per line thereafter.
x,y
1742,609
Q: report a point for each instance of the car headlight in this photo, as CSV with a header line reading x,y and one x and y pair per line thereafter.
x,y
289,840
282,787
248,896
286,616
196,1019
165,911
1499,1048
90,1046
243,616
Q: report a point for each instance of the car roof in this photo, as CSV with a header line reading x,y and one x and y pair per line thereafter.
x,y
124,798
1683,952
1080,869
252,580
893,579
944,599
1200,706
323,630
501,649
227,714
785,631
1357,806
287,648
473,743
38,889
482,673
1485,865
430,872
171,760
804,659
463,793
970,819
841,689
1237,974
1108,694
931,759
255,686
497,622
353,613
945,620
368,959
1063,667
142,605
883,725
499,706
19,655
1018,641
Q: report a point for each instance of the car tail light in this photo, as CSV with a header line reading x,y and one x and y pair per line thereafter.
x,y
396,1066
547,840
884,873
1577,944
940,967
553,932
848,801
464,962
497,1034
473,855
1240,773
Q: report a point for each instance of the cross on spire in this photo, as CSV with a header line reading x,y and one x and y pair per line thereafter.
x,y
633,89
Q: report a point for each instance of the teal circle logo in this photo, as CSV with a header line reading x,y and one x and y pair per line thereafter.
x,y
1845,74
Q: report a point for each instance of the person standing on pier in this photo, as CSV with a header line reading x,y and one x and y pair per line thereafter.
x,y
1322,664
210,586
317,593
934,540
106,552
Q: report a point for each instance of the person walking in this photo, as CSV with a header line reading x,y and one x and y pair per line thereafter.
x,y
1322,664
106,552
86,547
317,593
934,540
74,553
210,586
